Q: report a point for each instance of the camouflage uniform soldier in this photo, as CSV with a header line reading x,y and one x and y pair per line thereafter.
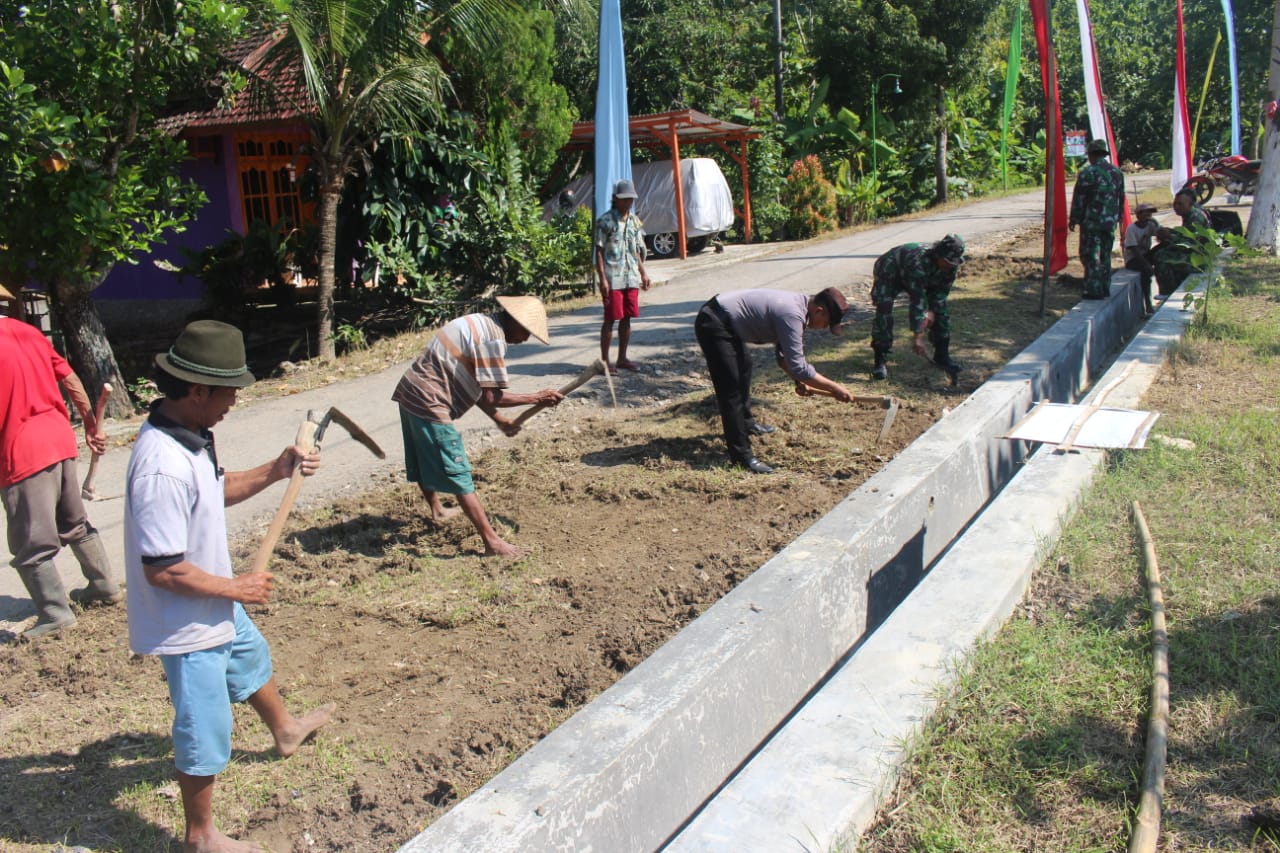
x,y
925,273
1172,257
1096,205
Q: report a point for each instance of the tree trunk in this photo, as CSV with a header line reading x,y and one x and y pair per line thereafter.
x,y
940,148
88,349
330,193
1264,219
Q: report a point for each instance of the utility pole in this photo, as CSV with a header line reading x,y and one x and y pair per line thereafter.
x,y
777,60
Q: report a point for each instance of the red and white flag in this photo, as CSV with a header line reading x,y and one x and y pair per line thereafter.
x,y
1099,120
1055,181
1181,159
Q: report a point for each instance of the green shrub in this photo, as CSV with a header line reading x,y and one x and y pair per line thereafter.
x,y
810,198
768,183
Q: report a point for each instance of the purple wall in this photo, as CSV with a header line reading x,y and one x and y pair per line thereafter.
x,y
145,280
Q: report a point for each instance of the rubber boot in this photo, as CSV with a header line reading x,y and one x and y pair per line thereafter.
x,y
881,369
97,571
45,587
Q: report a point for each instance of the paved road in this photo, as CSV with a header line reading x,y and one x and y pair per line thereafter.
x,y
255,433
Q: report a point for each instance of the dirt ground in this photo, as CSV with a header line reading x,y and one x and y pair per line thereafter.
x,y
446,666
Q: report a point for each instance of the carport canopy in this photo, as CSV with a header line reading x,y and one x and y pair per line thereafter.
x,y
668,131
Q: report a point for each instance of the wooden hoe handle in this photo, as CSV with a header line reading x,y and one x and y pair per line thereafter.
x,y
86,491
583,378
305,441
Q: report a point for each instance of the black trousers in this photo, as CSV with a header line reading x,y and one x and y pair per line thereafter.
x,y
729,364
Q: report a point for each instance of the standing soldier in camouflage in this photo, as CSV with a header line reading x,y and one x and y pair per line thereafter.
x,y
925,272
1096,205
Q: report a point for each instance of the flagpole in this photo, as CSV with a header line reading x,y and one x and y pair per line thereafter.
x,y
1235,78
1053,152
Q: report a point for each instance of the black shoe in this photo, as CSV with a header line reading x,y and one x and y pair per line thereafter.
x,y
761,429
880,371
755,466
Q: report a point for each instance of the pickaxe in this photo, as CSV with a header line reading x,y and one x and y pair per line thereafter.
x,y
888,403
596,368
86,491
307,440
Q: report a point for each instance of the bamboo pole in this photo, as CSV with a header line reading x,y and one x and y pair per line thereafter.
x,y
1146,832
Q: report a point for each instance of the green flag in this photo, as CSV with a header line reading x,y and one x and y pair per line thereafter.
x,y
1010,91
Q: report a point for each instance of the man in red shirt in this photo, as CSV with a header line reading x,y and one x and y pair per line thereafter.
x,y
38,483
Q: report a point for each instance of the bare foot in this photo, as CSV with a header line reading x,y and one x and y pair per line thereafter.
x,y
295,734
444,514
216,842
502,548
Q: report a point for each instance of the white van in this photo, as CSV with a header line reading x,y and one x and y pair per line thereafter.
x,y
708,206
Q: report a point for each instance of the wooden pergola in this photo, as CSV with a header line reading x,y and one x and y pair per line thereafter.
x,y
668,131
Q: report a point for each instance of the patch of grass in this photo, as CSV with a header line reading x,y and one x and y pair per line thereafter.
x,y
1040,746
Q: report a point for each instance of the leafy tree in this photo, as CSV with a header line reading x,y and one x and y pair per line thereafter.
x,y
929,43
390,209
514,87
1135,50
88,178
708,55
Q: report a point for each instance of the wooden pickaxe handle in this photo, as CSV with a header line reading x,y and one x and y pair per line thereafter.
x,y
86,491
883,401
887,402
306,442
594,369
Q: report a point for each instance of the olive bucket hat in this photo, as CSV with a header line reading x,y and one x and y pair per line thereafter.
x,y
208,353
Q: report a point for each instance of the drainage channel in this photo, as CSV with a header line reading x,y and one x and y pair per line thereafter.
x,y
630,769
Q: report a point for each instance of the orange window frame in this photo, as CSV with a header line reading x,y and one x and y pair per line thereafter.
x,y
269,166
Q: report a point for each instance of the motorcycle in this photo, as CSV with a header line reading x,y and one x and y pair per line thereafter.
x,y
1235,173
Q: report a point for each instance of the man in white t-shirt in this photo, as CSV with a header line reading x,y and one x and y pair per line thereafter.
x,y
1137,248
185,602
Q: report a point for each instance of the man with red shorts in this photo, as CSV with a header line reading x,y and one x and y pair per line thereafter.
x,y
619,240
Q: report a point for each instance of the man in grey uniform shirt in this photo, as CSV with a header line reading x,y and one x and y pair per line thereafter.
x,y
730,321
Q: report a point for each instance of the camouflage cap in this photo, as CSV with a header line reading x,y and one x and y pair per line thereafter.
x,y
1098,146
951,249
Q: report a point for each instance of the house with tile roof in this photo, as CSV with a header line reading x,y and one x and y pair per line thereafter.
x,y
249,157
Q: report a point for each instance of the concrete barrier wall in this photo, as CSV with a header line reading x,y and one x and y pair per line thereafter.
x,y
628,770
821,778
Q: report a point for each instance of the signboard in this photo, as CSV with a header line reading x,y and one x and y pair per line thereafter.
x,y
1076,141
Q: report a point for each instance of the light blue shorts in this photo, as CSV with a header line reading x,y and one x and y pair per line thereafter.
x,y
202,686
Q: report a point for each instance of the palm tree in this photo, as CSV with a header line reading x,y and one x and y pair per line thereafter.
x,y
357,68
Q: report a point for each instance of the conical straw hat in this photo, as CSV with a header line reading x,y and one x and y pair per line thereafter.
x,y
4,293
528,312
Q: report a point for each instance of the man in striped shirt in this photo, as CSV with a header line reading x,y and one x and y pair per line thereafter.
x,y
465,366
